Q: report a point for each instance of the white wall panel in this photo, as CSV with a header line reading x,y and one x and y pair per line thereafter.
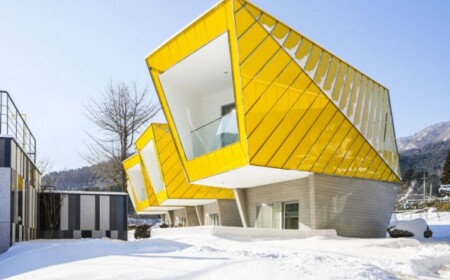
x,y
104,212
87,212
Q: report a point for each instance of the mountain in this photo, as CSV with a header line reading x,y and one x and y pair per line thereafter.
x,y
424,153
83,178
439,132
430,158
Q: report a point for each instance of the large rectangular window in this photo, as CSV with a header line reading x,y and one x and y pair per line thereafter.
x,y
197,90
277,215
291,215
214,219
5,152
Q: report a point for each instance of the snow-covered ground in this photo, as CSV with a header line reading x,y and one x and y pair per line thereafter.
x,y
210,257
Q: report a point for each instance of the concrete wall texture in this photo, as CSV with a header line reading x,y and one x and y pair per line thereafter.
x,y
229,213
5,208
354,207
200,215
19,180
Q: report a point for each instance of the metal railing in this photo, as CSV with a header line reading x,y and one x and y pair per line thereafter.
x,y
215,134
14,124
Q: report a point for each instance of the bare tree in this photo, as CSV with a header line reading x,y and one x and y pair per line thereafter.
x,y
118,115
51,201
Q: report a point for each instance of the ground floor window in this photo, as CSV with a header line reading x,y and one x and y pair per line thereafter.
x,y
180,221
277,215
214,219
291,215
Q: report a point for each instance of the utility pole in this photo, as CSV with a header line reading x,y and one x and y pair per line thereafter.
x,y
424,186
431,189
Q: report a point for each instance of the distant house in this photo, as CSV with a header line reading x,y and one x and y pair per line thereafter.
x,y
19,177
22,212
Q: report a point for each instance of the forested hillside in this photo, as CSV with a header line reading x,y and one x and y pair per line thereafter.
x,y
424,153
84,178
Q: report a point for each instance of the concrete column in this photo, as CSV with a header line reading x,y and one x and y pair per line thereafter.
x,y
191,216
165,218
229,213
312,202
354,207
199,210
240,196
171,217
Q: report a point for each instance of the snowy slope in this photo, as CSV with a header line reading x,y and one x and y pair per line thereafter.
x,y
209,257
431,134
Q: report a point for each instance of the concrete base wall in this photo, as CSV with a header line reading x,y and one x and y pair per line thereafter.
x,y
242,232
353,207
291,191
229,213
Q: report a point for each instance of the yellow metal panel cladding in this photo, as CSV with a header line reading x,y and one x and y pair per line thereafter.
x,y
216,21
20,183
173,176
354,96
331,75
298,106
290,122
322,68
313,60
210,25
347,89
336,119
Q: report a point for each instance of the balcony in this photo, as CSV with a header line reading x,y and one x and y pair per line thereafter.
x,y
215,135
14,124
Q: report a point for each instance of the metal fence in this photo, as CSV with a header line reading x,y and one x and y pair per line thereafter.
x,y
13,123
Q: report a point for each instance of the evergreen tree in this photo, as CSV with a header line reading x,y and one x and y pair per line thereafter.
x,y
446,171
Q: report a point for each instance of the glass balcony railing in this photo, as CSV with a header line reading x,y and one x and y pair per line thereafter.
x,y
215,135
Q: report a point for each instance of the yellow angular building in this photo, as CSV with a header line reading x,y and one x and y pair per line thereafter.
x,y
304,139
157,174
139,190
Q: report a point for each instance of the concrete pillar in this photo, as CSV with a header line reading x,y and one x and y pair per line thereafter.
x,y
171,218
239,195
229,213
191,216
199,210
312,202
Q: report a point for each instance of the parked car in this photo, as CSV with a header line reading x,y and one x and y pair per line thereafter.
x,y
444,189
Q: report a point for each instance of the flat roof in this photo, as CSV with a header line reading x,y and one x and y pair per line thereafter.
x,y
84,192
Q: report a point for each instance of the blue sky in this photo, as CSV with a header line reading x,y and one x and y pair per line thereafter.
x,y
55,55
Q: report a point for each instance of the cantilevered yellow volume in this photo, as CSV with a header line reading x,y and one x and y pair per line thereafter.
x,y
161,165
250,101
139,190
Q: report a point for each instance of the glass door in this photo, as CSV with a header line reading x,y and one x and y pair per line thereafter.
x,y
214,219
263,216
277,218
291,215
